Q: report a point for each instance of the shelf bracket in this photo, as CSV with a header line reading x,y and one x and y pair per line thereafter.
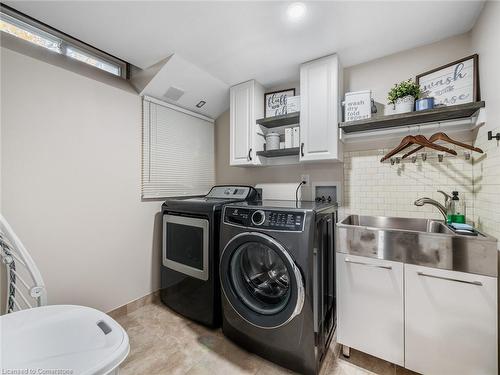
x,y
480,118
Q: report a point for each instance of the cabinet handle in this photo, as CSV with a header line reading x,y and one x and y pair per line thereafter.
x,y
302,149
450,279
347,260
249,157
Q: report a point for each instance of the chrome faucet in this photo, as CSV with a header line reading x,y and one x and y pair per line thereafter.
x,y
444,211
447,197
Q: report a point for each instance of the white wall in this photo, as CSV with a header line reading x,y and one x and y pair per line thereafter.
x,y
485,41
71,173
381,74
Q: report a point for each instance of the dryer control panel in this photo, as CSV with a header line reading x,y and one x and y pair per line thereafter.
x,y
265,219
231,192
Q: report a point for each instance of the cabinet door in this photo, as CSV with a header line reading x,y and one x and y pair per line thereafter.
x,y
451,322
240,111
319,109
246,105
370,306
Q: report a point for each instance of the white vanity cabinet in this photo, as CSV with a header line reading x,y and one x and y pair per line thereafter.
x,y
246,106
320,84
370,306
451,322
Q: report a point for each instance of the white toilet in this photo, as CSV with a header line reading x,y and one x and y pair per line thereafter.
x,y
56,339
78,339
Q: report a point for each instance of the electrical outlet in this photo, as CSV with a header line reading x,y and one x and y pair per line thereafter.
x,y
305,177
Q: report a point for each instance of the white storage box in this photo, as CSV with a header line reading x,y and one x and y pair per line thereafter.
x,y
288,138
296,136
357,105
293,104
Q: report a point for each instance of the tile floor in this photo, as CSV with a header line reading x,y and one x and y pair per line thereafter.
x,y
163,342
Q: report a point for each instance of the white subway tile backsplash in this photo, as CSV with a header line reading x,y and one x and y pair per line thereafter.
x,y
486,192
374,188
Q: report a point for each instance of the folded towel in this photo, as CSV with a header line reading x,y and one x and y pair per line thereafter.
x,y
459,226
464,229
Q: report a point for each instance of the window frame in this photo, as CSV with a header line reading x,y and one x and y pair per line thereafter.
x,y
35,26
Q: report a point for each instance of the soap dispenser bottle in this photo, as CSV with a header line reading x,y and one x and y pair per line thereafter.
x,y
456,209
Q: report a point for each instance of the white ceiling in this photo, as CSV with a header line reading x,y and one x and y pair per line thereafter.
x,y
236,41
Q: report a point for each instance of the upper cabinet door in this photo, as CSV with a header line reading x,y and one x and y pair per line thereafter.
x,y
245,108
320,82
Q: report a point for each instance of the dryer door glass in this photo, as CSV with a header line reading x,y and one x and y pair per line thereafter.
x,y
260,278
186,245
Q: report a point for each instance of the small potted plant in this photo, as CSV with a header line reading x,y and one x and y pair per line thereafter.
x,y
403,96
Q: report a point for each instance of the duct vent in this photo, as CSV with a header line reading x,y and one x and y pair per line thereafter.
x,y
173,93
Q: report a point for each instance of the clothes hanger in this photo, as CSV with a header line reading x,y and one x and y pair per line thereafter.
x,y
440,136
419,140
405,142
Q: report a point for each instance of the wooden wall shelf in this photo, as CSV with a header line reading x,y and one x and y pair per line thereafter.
x,y
421,118
281,120
294,151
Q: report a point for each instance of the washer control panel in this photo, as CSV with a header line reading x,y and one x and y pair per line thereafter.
x,y
265,219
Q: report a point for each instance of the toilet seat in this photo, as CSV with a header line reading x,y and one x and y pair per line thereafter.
x,y
62,337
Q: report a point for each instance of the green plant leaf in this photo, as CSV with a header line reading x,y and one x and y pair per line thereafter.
x,y
402,89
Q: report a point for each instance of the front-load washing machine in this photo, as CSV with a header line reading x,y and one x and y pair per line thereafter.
x,y
277,277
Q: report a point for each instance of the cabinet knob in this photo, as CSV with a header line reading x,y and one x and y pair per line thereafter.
x,y
249,157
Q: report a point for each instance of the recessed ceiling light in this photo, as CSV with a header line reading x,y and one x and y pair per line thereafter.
x,y
296,11
201,103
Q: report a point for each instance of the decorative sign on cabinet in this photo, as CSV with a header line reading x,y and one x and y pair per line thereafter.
x,y
275,103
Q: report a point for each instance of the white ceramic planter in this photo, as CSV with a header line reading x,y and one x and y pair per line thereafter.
x,y
405,104
389,110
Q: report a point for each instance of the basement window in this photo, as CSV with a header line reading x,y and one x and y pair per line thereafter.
x,y
25,28
92,60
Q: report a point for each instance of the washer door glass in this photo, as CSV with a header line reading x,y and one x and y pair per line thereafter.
x,y
260,281
260,278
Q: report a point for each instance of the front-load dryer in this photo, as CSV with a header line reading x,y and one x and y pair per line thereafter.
x,y
277,278
190,254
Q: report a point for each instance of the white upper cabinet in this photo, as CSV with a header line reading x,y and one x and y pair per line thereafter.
x,y
246,106
320,83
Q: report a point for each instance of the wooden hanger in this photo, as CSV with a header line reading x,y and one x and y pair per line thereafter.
x,y
443,137
419,140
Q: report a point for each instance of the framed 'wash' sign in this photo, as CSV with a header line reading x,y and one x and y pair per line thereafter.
x,y
452,84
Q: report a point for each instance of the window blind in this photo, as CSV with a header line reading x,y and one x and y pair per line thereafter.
x,y
177,150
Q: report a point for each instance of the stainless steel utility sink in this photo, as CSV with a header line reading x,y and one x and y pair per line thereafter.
x,y
398,223
423,242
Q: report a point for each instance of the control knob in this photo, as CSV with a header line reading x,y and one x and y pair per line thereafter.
x,y
258,217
